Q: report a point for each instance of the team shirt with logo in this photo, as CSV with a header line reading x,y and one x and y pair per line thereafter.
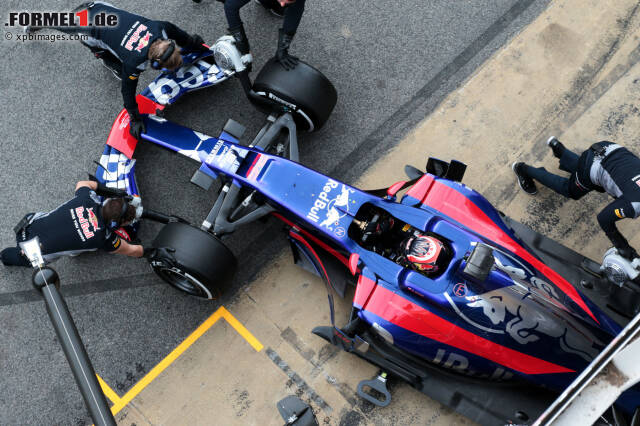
x,y
129,41
76,226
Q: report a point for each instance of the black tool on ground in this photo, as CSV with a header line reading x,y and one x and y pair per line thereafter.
x,y
296,412
47,282
379,384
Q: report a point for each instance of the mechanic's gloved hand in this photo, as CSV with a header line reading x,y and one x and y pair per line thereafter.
x,y
136,124
196,44
287,61
627,252
161,254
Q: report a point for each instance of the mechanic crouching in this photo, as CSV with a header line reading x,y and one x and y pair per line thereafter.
x,y
126,48
82,224
604,167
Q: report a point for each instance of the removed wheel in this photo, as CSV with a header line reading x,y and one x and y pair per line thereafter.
x,y
304,89
204,265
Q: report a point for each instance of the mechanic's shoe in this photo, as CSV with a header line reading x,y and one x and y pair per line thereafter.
x,y
556,146
272,7
526,183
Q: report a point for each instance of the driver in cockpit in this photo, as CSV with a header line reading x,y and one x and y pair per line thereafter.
x,y
405,245
422,253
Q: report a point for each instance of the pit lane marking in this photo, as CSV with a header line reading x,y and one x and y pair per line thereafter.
x,y
120,402
298,381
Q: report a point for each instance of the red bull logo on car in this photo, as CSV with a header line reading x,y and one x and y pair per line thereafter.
x,y
322,200
518,316
335,207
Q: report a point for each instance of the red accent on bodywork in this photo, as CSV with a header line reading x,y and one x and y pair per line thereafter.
x,y
353,263
393,189
255,160
421,187
119,136
458,207
333,252
363,290
403,313
147,106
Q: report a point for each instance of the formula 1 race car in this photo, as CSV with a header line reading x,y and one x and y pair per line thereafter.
x,y
299,99
473,308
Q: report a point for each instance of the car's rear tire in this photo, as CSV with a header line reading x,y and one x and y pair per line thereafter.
x,y
204,265
306,88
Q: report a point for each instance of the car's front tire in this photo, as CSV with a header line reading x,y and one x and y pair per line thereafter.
x,y
204,266
304,87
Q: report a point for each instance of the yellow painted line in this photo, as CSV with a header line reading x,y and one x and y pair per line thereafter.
x,y
108,392
233,322
120,403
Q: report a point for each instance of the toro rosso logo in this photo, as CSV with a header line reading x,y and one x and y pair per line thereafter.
x,y
334,208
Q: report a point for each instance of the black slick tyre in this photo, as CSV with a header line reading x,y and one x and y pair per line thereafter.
x,y
305,89
204,266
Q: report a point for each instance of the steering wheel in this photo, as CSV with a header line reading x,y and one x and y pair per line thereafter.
x,y
370,227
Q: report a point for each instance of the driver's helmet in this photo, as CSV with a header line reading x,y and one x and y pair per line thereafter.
x,y
422,252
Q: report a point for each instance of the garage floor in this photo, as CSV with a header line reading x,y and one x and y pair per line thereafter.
x,y
573,73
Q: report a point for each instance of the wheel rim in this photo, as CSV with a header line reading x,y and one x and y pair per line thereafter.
x,y
183,281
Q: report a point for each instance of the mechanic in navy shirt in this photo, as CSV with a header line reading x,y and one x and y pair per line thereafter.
x,y
604,167
291,10
125,49
78,226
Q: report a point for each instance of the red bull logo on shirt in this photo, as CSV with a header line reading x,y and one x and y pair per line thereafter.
x,y
93,219
85,226
135,38
144,41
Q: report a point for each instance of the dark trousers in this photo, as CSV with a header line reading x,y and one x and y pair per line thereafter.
x,y
107,57
577,185
292,13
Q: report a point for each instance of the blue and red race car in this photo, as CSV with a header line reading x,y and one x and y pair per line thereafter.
x,y
495,323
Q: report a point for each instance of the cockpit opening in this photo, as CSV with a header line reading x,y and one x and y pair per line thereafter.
x,y
377,230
